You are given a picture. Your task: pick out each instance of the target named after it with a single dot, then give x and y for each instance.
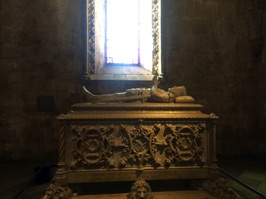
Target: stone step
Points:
(188, 194)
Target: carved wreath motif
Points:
(91, 146)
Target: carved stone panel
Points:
(91, 147)
(136, 146)
(178, 145)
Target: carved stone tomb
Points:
(108, 142)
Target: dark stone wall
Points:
(205, 47)
(40, 56)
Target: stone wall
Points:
(207, 49)
(205, 46)
(40, 56)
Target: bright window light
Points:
(128, 32)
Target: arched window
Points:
(123, 39)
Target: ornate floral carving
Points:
(177, 144)
(100, 147)
(139, 137)
(137, 145)
(121, 147)
(140, 190)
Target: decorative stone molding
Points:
(156, 36)
(91, 37)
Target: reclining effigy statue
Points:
(154, 94)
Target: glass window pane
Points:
(122, 31)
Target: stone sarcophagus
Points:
(104, 142)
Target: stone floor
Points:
(18, 181)
(251, 171)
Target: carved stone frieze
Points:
(120, 146)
